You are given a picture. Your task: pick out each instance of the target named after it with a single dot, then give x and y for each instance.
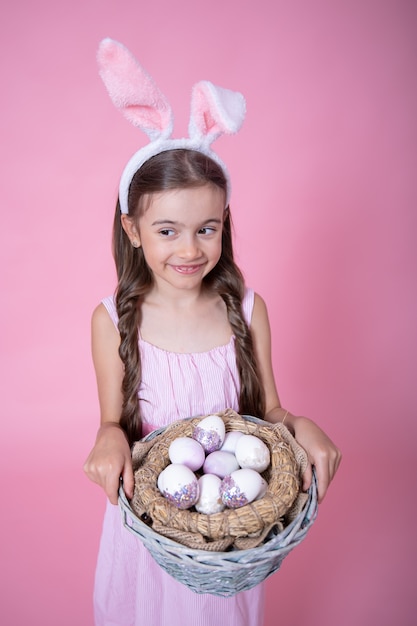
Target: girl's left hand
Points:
(321, 452)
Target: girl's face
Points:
(180, 233)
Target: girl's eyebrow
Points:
(159, 222)
(211, 220)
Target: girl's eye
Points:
(207, 230)
(166, 232)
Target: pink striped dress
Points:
(131, 589)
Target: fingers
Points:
(307, 477)
(323, 482)
(326, 467)
(128, 480)
(107, 475)
(112, 488)
(111, 481)
(110, 461)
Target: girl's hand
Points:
(321, 452)
(110, 460)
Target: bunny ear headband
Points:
(214, 111)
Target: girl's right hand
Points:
(110, 460)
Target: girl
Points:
(183, 336)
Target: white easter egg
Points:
(209, 501)
(263, 490)
(187, 451)
(210, 432)
(230, 441)
(179, 485)
(252, 453)
(220, 463)
(240, 487)
(161, 481)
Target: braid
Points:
(251, 400)
(134, 281)
(129, 319)
(227, 279)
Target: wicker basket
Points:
(223, 564)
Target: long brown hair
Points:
(175, 169)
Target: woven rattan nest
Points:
(242, 528)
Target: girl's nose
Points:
(188, 248)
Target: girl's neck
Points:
(189, 322)
(176, 299)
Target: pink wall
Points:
(325, 213)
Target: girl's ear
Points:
(130, 229)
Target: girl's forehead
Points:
(204, 201)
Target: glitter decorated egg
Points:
(210, 432)
(252, 453)
(240, 488)
(179, 485)
(209, 501)
(187, 451)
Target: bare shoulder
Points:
(261, 333)
(260, 320)
(262, 343)
(105, 342)
(100, 315)
(104, 334)
(101, 320)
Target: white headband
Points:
(214, 111)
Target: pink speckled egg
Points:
(187, 451)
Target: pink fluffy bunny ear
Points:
(133, 91)
(215, 111)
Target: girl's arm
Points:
(110, 458)
(321, 451)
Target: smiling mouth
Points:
(187, 269)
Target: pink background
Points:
(324, 203)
